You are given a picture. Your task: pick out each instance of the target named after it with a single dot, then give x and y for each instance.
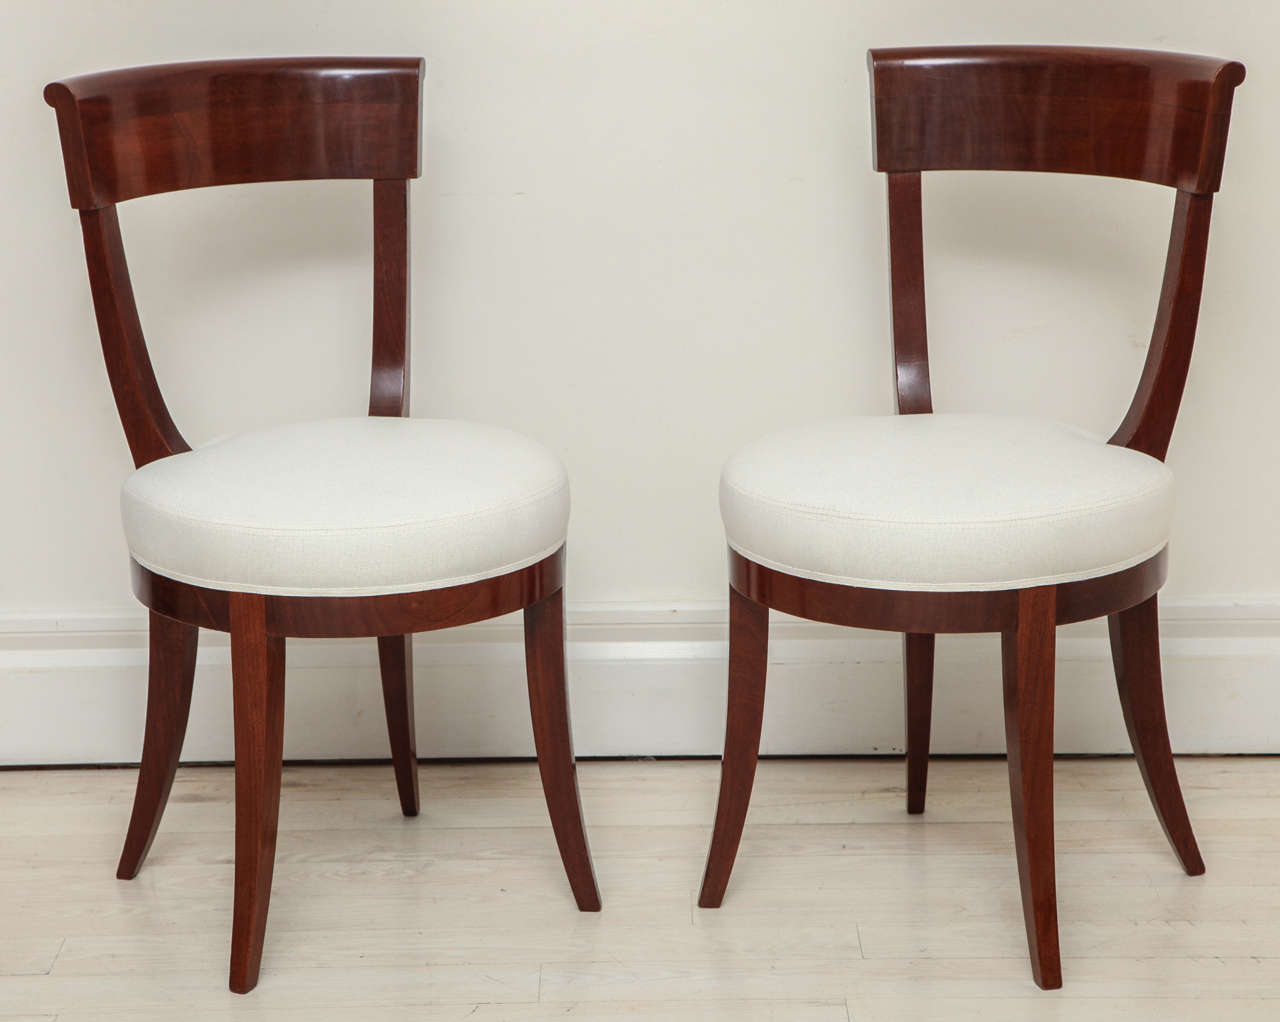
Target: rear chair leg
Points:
(1135, 651)
(917, 678)
(171, 673)
(553, 739)
(748, 660)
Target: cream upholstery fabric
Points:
(349, 507)
(944, 502)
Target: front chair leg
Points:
(395, 659)
(553, 740)
(257, 677)
(1135, 651)
(1028, 654)
(748, 661)
(917, 682)
(171, 671)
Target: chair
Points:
(381, 526)
(925, 523)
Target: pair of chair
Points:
(387, 526)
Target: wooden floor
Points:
(841, 908)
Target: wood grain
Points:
(917, 683)
(1028, 721)
(553, 739)
(1143, 115)
(748, 663)
(395, 664)
(171, 675)
(1140, 114)
(257, 668)
(1135, 650)
(142, 130)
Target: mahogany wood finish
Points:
(142, 131)
(906, 275)
(748, 662)
(1137, 114)
(171, 673)
(1135, 652)
(1028, 669)
(1147, 116)
(395, 663)
(257, 686)
(917, 683)
(553, 739)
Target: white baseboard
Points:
(644, 681)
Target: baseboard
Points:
(644, 681)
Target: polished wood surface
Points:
(896, 610)
(257, 685)
(1135, 652)
(142, 130)
(148, 427)
(389, 379)
(748, 663)
(544, 640)
(917, 687)
(315, 617)
(1148, 425)
(1147, 116)
(1140, 114)
(395, 664)
(1028, 669)
(906, 276)
(171, 674)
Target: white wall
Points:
(645, 233)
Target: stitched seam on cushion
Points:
(817, 512)
(270, 530)
(950, 587)
(369, 590)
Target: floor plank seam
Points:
(56, 955)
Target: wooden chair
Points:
(926, 523)
(377, 527)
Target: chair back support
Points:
(145, 130)
(1146, 116)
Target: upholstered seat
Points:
(944, 502)
(349, 507)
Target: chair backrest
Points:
(145, 130)
(1146, 116)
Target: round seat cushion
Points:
(349, 507)
(944, 502)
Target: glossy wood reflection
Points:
(141, 131)
(1147, 116)
(1140, 114)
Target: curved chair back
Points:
(1146, 116)
(145, 130)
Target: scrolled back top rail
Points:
(1138, 114)
(140, 131)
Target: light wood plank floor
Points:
(841, 907)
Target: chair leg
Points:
(1135, 651)
(553, 739)
(1028, 655)
(395, 658)
(917, 680)
(170, 674)
(257, 675)
(748, 660)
